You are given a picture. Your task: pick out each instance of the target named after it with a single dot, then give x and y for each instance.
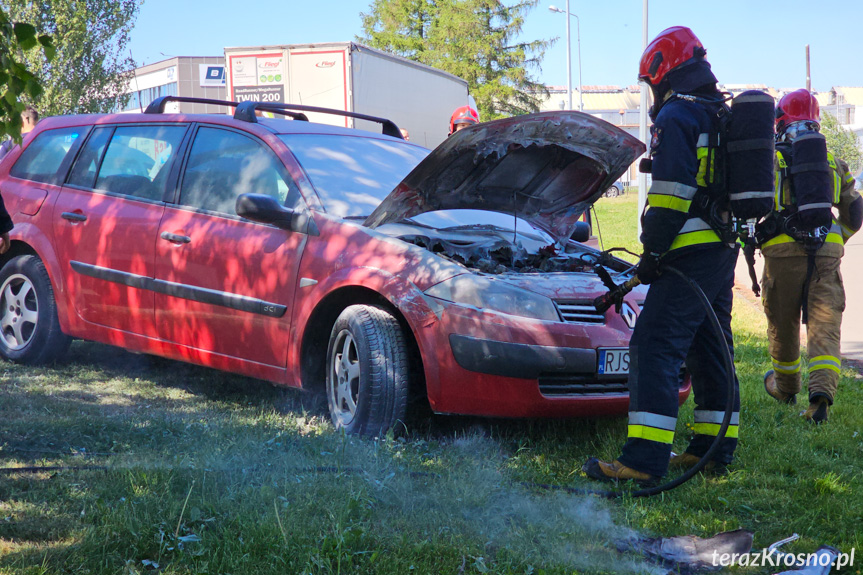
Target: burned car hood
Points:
(545, 168)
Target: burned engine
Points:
(493, 253)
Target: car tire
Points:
(29, 329)
(367, 371)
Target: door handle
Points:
(175, 238)
(73, 217)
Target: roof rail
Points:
(157, 106)
(246, 113)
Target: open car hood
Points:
(545, 168)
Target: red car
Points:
(327, 258)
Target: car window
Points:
(353, 174)
(84, 171)
(224, 164)
(138, 160)
(44, 156)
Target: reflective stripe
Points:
(713, 429)
(694, 225)
(832, 238)
(787, 366)
(750, 195)
(703, 140)
(668, 202)
(704, 416)
(846, 232)
(820, 206)
(825, 362)
(701, 176)
(672, 189)
(780, 239)
(652, 420)
(650, 434)
(694, 238)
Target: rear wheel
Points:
(29, 328)
(367, 371)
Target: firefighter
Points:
(463, 117)
(673, 324)
(786, 274)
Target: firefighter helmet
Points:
(797, 106)
(463, 115)
(674, 47)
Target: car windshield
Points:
(352, 174)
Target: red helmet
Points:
(797, 106)
(671, 49)
(463, 115)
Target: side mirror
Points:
(267, 210)
(581, 233)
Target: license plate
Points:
(613, 361)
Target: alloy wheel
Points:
(344, 384)
(19, 311)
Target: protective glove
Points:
(648, 268)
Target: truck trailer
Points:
(351, 77)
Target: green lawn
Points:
(212, 473)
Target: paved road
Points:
(852, 274)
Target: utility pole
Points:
(642, 124)
(808, 76)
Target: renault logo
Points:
(628, 315)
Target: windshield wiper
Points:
(489, 227)
(354, 217)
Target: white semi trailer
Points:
(351, 77)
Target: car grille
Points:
(579, 311)
(582, 384)
(570, 384)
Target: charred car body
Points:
(327, 258)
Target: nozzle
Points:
(614, 297)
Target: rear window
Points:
(42, 159)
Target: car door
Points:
(225, 284)
(106, 220)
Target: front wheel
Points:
(367, 371)
(29, 328)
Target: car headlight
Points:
(487, 293)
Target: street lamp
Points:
(568, 52)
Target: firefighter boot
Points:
(773, 390)
(616, 471)
(686, 461)
(819, 407)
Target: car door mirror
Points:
(267, 210)
(581, 233)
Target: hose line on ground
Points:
(728, 360)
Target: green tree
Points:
(473, 39)
(842, 143)
(90, 69)
(17, 38)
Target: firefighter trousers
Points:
(673, 326)
(783, 300)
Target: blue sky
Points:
(747, 41)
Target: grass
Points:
(207, 472)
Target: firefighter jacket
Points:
(679, 148)
(847, 203)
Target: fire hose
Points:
(614, 297)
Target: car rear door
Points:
(225, 284)
(106, 219)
